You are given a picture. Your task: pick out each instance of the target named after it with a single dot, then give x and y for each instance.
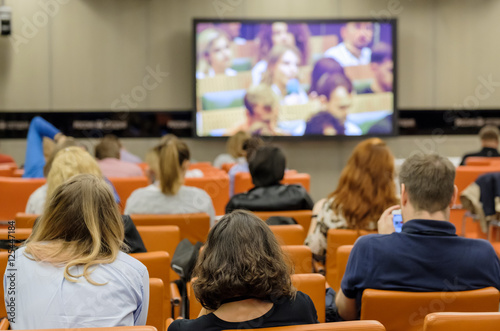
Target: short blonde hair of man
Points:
(489, 132)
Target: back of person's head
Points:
(267, 166)
(489, 133)
(114, 138)
(251, 145)
(69, 162)
(429, 181)
(174, 156)
(381, 52)
(81, 225)
(324, 66)
(68, 142)
(235, 143)
(107, 148)
(366, 185)
(263, 95)
(234, 263)
(330, 82)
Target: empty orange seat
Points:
(14, 193)
(300, 256)
(289, 234)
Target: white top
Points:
(44, 299)
(299, 98)
(257, 71)
(151, 200)
(36, 201)
(223, 158)
(341, 54)
(211, 73)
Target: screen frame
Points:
(392, 21)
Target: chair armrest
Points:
(318, 267)
(175, 296)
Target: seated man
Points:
(489, 142)
(107, 153)
(353, 50)
(382, 66)
(427, 256)
(267, 168)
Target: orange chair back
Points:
(24, 220)
(482, 161)
(334, 326)
(14, 193)
(466, 175)
(462, 322)
(161, 238)
(156, 312)
(314, 286)
(243, 181)
(126, 185)
(300, 256)
(18, 234)
(194, 304)
(4, 257)
(289, 234)
(216, 186)
(299, 179)
(343, 253)
(200, 165)
(6, 170)
(303, 217)
(227, 166)
(334, 239)
(158, 264)
(406, 311)
(194, 227)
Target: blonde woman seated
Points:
(71, 273)
(366, 188)
(169, 195)
(234, 148)
(243, 280)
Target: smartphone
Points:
(397, 220)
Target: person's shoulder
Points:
(333, 50)
(200, 323)
(193, 190)
(127, 263)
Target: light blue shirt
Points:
(237, 168)
(44, 299)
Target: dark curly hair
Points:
(242, 258)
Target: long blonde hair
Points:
(172, 156)
(67, 163)
(234, 145)
(81, 225)
(204, 43)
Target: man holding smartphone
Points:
(427, 256)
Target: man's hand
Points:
(385, 224)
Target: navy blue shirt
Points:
(427, 256)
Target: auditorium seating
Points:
(289, 234)
(334, 326)
(300, 257)
(462, 322)
(217, 187)
(314, 286)
(156, 310)
(343, 253)
(4, 257)
(243, 181)
(302, 217)
(482, 161)
(126, 185)
(14, 193)
(398, 310)
(24, 220)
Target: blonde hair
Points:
(172, 155)
(234, 144)
(204, 42)
(69, 162)
(81, 225)
(153, 156)
(274, 56)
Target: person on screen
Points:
(381, 65)
(262, 109)
(282, 75)
(335, 94)
(353, 50)
(214, 54)
(233, 29)
(324, 123)
(323, 66)
(280, 33)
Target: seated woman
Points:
(65, 164)
(267, 168)
(234, 148)
(366, 188)
(71, 273)
(214, 54)
(243, 280)
(169, 195)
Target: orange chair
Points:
(481, 161)
(303, 217)
(14, 193)
(194, 304)
(200, 165)
(217, 188)
(4, 257)
(158, 264)
(156, 311)
(300, 179)
(194, 227)
(335, 239)
(161, 238)
(407, 310)
(243, 181)
(227, 166)
(343, 253)
(314, 286)
(336, 326)
(18, 173)
(289, 234)
(6, 170)
(24, 220)
(17, 234)
(462, 321)
(126, 185)
(300, 256)
(4, 324)
(466, 175)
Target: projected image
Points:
(294, 79)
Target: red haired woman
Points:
(366, 188)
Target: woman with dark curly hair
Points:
(244, 281)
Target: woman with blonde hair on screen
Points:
(366, 188)
(71, 273)
(214, 54)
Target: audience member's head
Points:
(107, 148)
(357, 35)
(282, 66)
(382, 66)
(68, 142)
(324, 66)
(267, 166)
(234, 145)
(214, 51)
(427, 185)
(262, 106)
(235, 264)
(489, 135)
(251, 145)
(67, 163)
(335, 93)
(366, 185)
(81, 225)
(325, 124)
(284, 34)
(174, 162)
